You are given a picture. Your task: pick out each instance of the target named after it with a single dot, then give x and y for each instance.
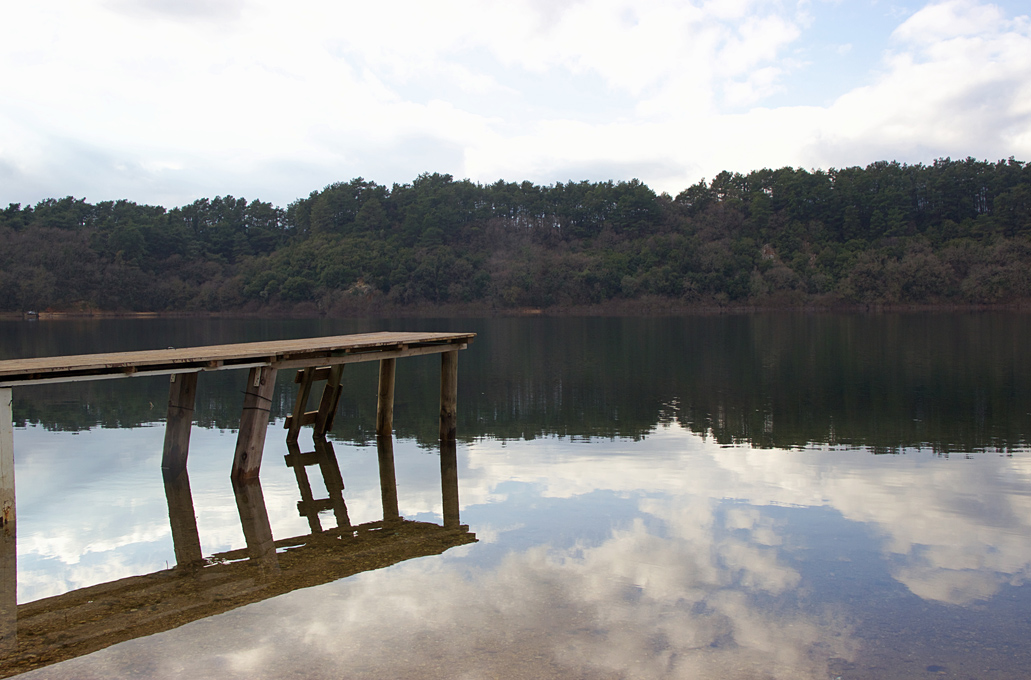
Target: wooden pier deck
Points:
(340, 349)
(314, 359)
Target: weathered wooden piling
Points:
(182, 518)
(182, 396)
(385, 398)
(257, 402)
(387, 477)
(448, 395)
(449, 482)
(257, 530)
(8, 534)
(7, 507)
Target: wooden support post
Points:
(300, 406)
(330, 399)
(183, 519)
(385, 398)
(387, 478)
(257, 402)
(8, 588)
(448, 395)
(8, 535)
(257, 531)
(182, 395)
(7, 515)
(449, 482)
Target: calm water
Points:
(782, 496)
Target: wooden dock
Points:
(314, 360)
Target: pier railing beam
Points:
(448, 395)
(182, 396)
(385, 398)
(257, 403)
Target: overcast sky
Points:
(167, 101)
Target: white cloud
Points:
(167, 102)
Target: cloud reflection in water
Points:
(701, 577)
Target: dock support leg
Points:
(8, 537)
(257, 530)
(182, 395)
(448, 395)
(6, 457)
(183, 519)
(387, 478)
(449, 482)
(385, 398)
(257, 403)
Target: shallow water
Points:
(709, 497)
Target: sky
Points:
(168, 101)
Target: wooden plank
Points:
(182, 395)
(307, 418)
(449, 482)
(385, 398)
(330, 399)
(320, 374)
(250, 443)
(295, 457)
(448, 395)
(387, 477)
(305, 350)
(330, 358)
(182, 519)
(8, 536)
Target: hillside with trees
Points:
(953, 232)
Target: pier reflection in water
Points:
(88, 619)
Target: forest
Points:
(955, 232)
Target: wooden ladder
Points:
(322, 418)
(309, 506)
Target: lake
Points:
(731, 496)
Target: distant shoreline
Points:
(655, 307)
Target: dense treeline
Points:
(950, 232)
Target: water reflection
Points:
(951, 382)
(82, 621)
(648, 500)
